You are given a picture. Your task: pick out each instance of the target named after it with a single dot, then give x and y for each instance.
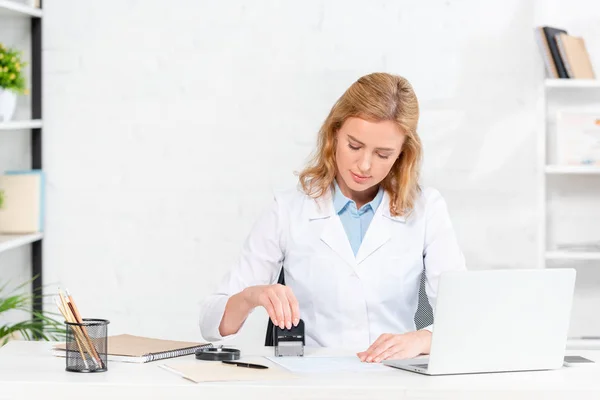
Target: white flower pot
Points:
(8, 103)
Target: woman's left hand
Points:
(390, 346)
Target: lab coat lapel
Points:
(333, 233)
(379, 231)
(336, 238)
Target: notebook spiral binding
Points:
(175, 353)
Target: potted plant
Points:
(41, 325)
(12, 81)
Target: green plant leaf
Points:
(41, 325)
(12, 72)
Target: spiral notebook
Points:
(575, 56)
(138, 349)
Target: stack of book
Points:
(565, 56)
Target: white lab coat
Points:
(345, 300)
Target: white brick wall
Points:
(168, 123)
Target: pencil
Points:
(79, 331)
(80, 320)
(84, 330)
(79, 335)
(62, 311)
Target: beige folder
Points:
(22, 208)
(575, 56)
(215, 371)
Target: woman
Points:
(353, 240)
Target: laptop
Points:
(498, 321)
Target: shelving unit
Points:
(13, 9)
(572, 83)
(573, 255)
(9, 7)
(547, 169)
(572, 170)
(17, 125)
(8, 242)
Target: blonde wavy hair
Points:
(375, 97)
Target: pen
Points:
(245, 364)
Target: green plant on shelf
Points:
(1, 198)
(41, 325)
(11, 70)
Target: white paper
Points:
(311, 365)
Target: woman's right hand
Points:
(278, 300)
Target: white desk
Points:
(28, 370)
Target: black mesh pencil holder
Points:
(87, 345)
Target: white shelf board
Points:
(572, 255)
(15, 125)
(12, 8)
(572, 83)
(583, 344)
(8, 242)
(573, 169)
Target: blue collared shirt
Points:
(356, 222)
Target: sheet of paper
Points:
(211, 371)
(311, 365)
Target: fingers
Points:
(281, 305)
(365, 354)
(278, 306)
(394, 351)
(406, 345)
(271, 312)
(383, 346)
(290, 306)
(294, 306)
(265, 301)
(386, 346)
(287, 310)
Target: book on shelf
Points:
(578, 138)
(22, 208)
(565, 56)
(547, 55)
(575, 57)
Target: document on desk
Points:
(212, 371)
(311, 365)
